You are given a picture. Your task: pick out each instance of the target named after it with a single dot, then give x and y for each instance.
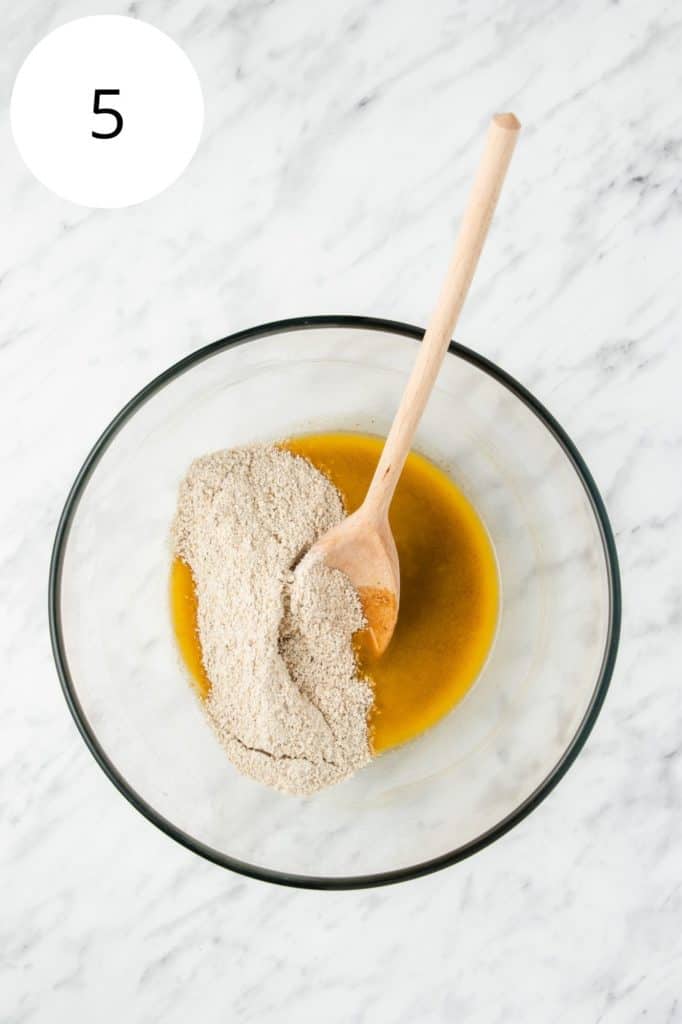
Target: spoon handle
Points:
(502, 135)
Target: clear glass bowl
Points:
(483, 767)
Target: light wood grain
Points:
(362, 546)
(500, 143)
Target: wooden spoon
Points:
(362, 546)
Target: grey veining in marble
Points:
(338, 145)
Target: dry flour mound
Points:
(286, 700)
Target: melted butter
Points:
(448, 587)
(448, 600)
(183, 600)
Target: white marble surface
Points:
(338, 143)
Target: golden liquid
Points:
(448, 587)
(448, 590)
(184, 617)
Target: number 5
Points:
(96, 109)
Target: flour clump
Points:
(286, 699)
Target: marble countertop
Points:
(338, 144)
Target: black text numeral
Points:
(116, 114)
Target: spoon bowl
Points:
(363, 548)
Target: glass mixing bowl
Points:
(482, 768)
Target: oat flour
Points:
(286, 700)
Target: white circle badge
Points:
(107, 111)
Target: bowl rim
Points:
(352, 881)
